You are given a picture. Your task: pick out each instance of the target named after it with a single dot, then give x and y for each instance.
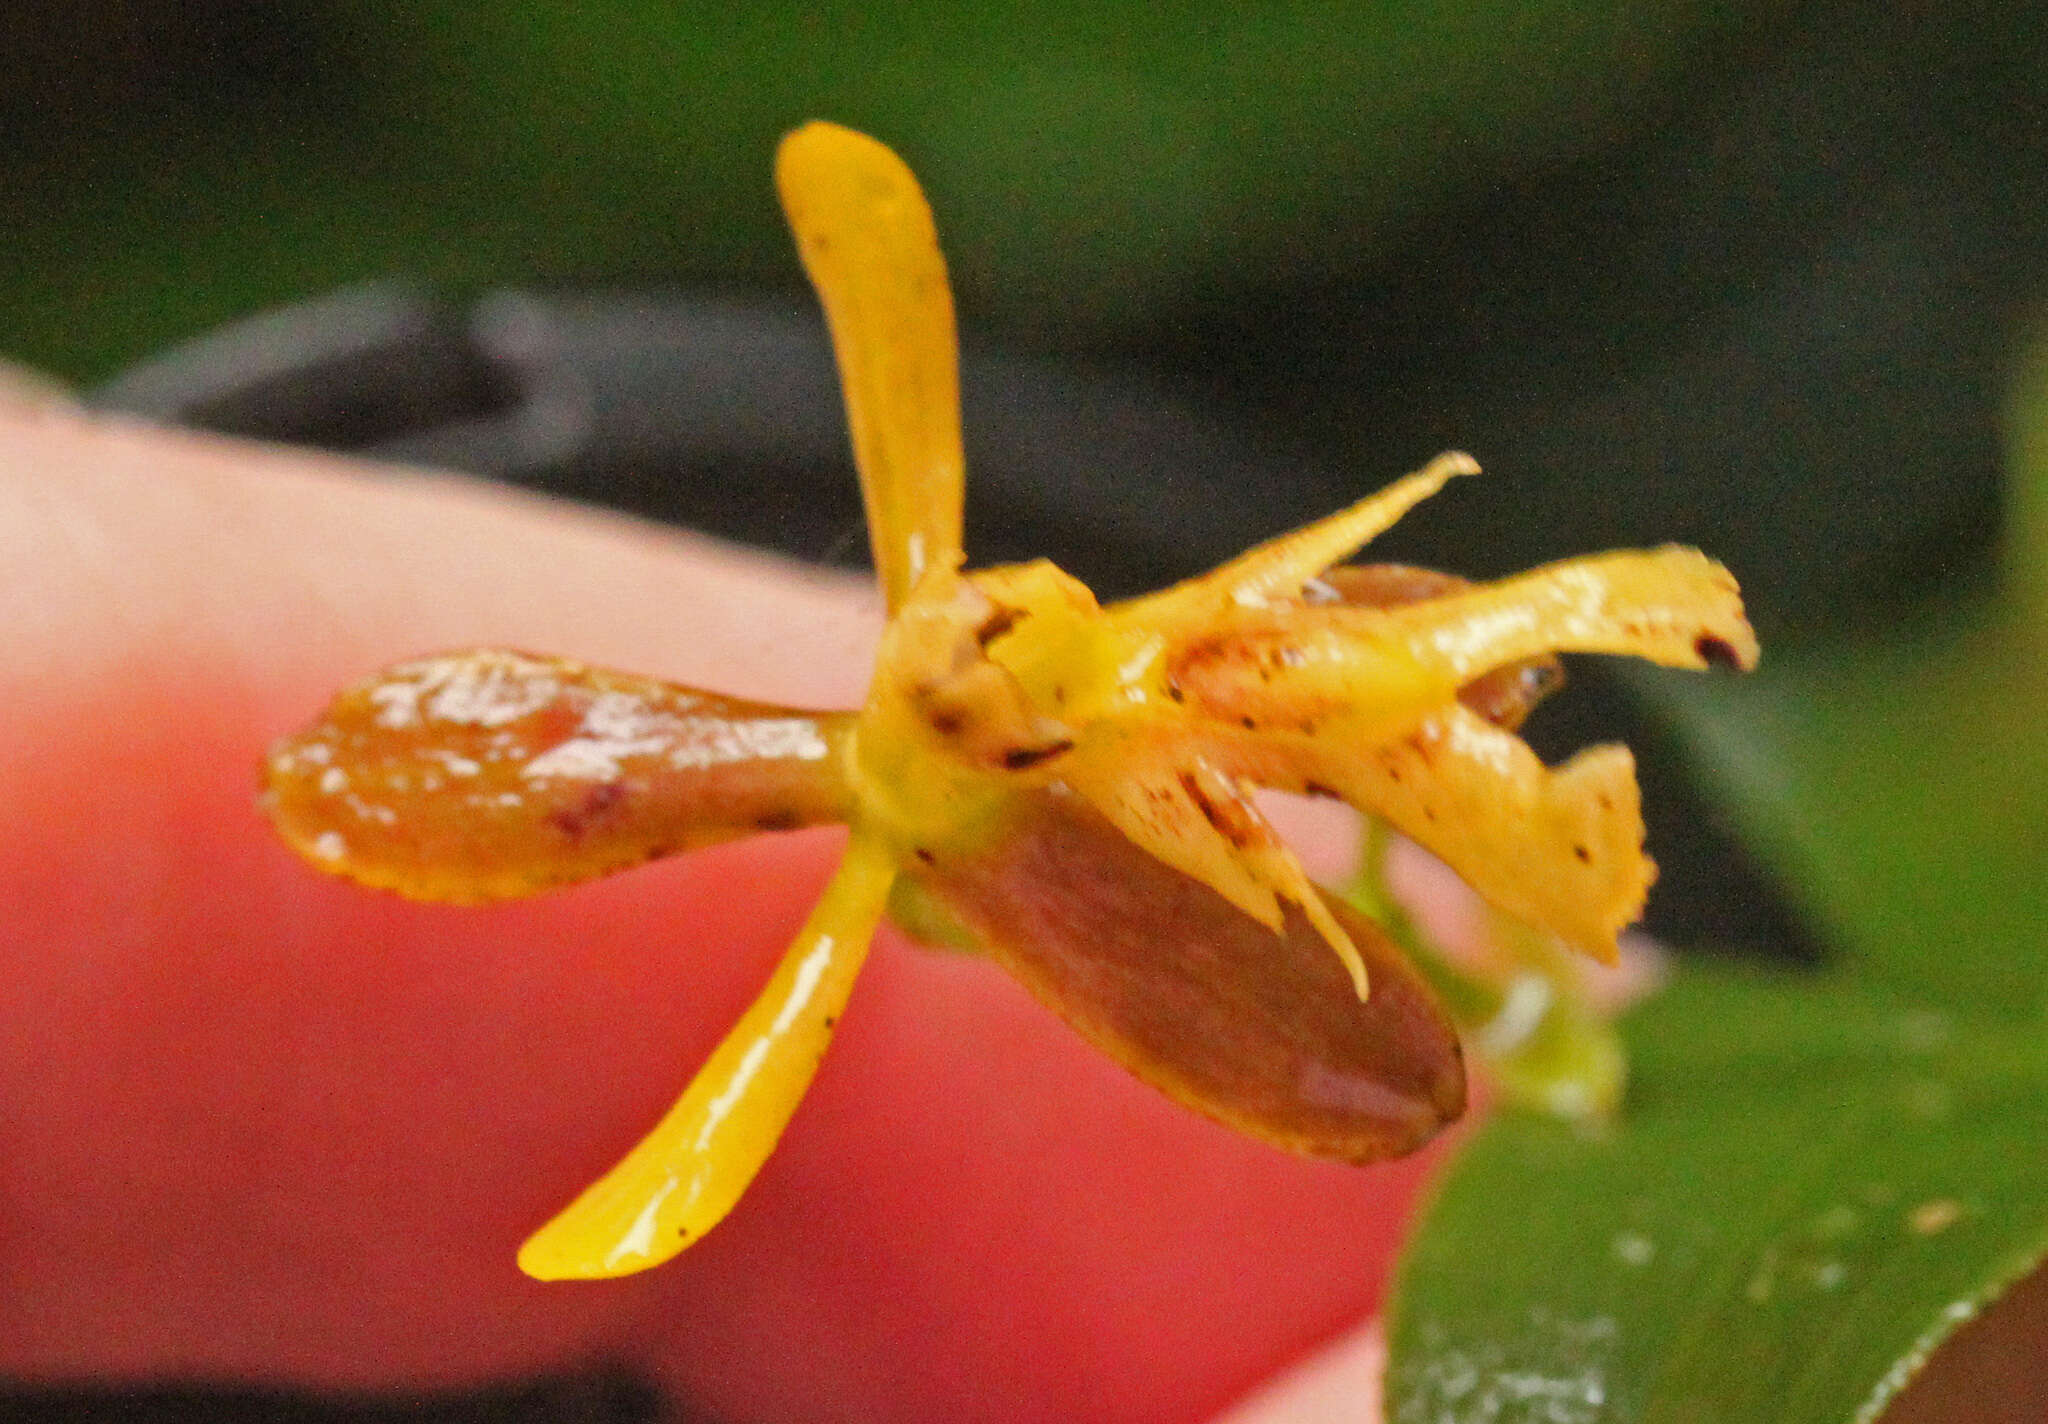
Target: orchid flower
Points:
(1061, 785)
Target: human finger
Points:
(263, 1125)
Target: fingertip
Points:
(339, 1113)
(287, 571)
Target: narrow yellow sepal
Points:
(1278, 569)
(867, 240)
(687, 1173)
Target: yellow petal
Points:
(1368, 673)
(1268, 859)
(867, 240)
(1560, 848)
(1504, 696)
(686, 1174)
(1177, 807)
(1672, 605)
(1142, 786)
(1277, 569)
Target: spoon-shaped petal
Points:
(482, 775)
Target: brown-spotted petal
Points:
(1373, 673)
(1169, 801)
(1260, 1030)
(867, 240)
(1673, 606)
(482, 775)
(1144, 781)
(1504, 696)
(1557, 847)
(1378, 670)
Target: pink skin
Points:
(261, 1125)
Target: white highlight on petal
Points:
(808, 973)
(618, 726)
(468, 690)
(639, 1240)
(1468, 644)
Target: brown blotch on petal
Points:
(1227, 820)
(1390, 585)
(1024, 758)
(1264, 1032)
(1717, 653)
(598, 803)
(1507, 695)
(999, 622)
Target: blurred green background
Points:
(1103, 173)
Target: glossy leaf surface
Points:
(1811, 1186)
(1260, 1031)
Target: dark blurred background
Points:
(1753, 276)
(1744, 275)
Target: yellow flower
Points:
(1063, 785)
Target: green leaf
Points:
(1814, 1183)
(1815, 1179)
(1899, 784)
